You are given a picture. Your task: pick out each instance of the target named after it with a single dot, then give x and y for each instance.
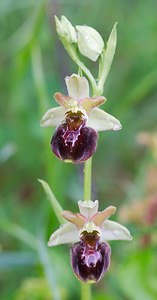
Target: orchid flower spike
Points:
(88, 231)
(78, 119)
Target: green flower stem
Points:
(86, 287)
(87, 72)
(73, 54)
(86, 291)
(87, 179)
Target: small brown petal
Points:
(100, 217)
(77, 219)
(89, 103)
(62, 99)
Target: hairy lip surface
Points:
(75, 145)
(90, 263)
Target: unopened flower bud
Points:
(66, 30)
(90, 42)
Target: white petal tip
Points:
(42, 123)
(45, 121)
(125, 235)
(130, 237)
(50, 244)
(117, 127)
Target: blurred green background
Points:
(33, 67)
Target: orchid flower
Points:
(88, 231)
(78, 119)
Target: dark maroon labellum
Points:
(90, 259)
(73, 140)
